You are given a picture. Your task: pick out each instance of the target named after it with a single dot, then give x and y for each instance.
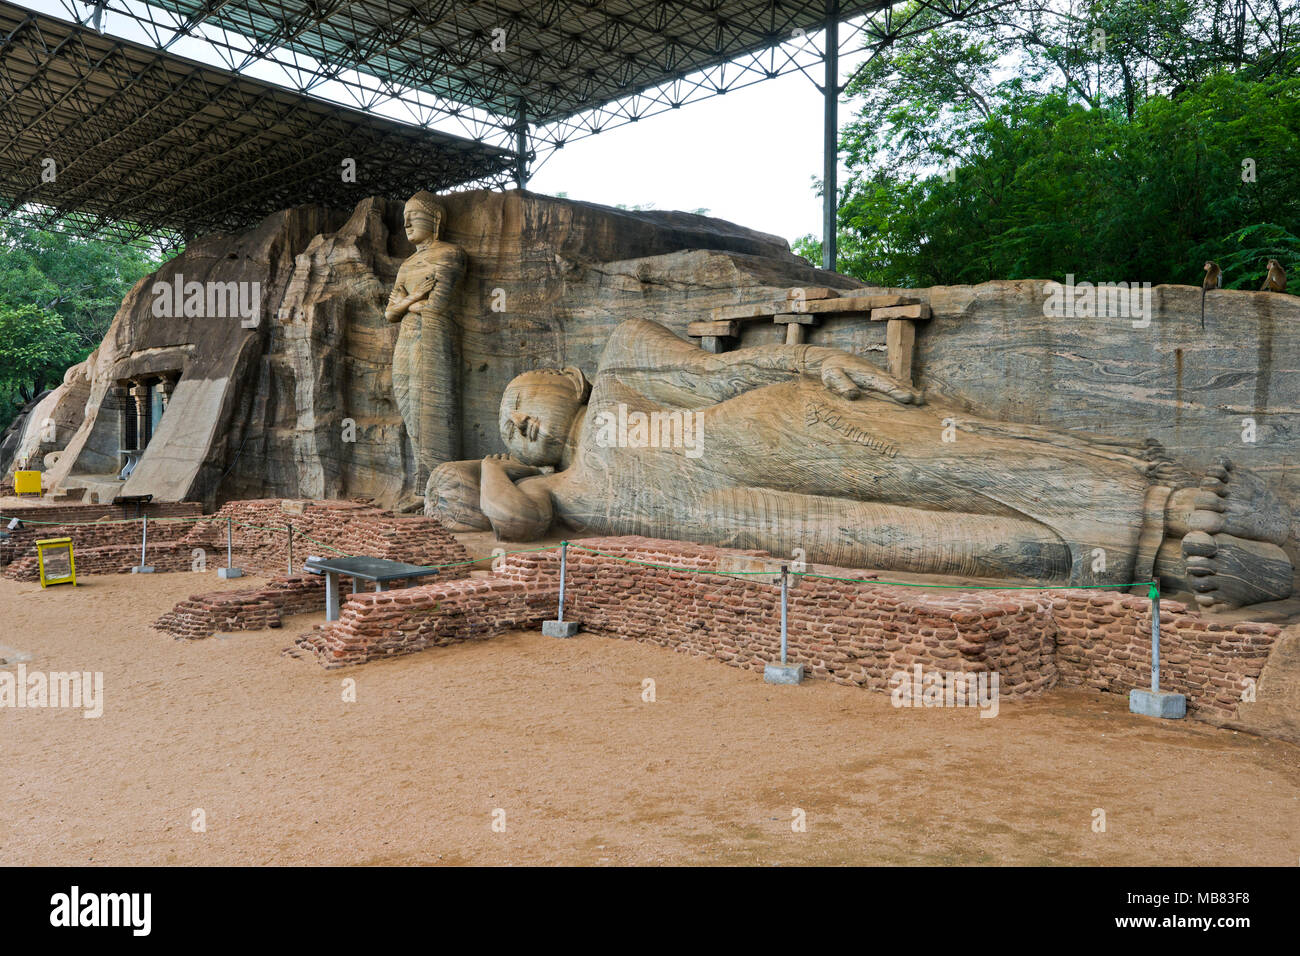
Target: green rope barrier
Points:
(322, 544)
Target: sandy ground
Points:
(555, 733)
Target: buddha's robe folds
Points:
(425, 358)
(774, 460)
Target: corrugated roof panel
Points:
(164, 143)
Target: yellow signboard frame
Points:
(27, 483)
(56, 544)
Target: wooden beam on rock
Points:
(900, 312)
(794, 323)
(728, 329)
(900, 346)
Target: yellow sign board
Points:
(27, 482)
(61, 568)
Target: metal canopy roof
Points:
(529, 75)
(552, 58)
(143, 141)
(164, 142)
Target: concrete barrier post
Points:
(560, 627)
(784, 672)
(785, 608)
(144, 547)
(1155, 641)
(564, 573)
(230, 571)
(1156, 702)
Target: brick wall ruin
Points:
(105, 539)
(388, 624)
(850, 633)
(247, 609)
(1103, 642)
(321, 528)
(104, 543)
(324, 529)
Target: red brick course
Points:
(322, 528)
(851, 633)
(102, 547)
(391, 623)
(77, 512)
(249, 609)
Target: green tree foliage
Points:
(1125, 140)
(58, 295)
(36, 348)
(1252, 246)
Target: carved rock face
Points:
(419, 227)
(537, 410)
(422, 217)
(305, 405)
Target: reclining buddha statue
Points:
(786, 447)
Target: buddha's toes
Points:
(1231, 545)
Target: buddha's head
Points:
(538, 410)
(423, 217)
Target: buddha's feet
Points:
(1230, 531)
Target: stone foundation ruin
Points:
(653, 591)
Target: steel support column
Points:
(830, 135)
(521, 147)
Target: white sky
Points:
(749, 156)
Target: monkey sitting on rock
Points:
(1213, 280)
(1275, 281)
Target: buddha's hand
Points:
(514, 469)
(419, 297)
(516, 514)
(424, 286)
(849, 376)
(414, 302)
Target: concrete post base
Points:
(783, 673)
(142, 569)
(560, 628)
(1158, 703)
(230, 572)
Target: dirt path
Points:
(555, 733)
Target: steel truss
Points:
(121, 140)
(561, 70)
(489, 88)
